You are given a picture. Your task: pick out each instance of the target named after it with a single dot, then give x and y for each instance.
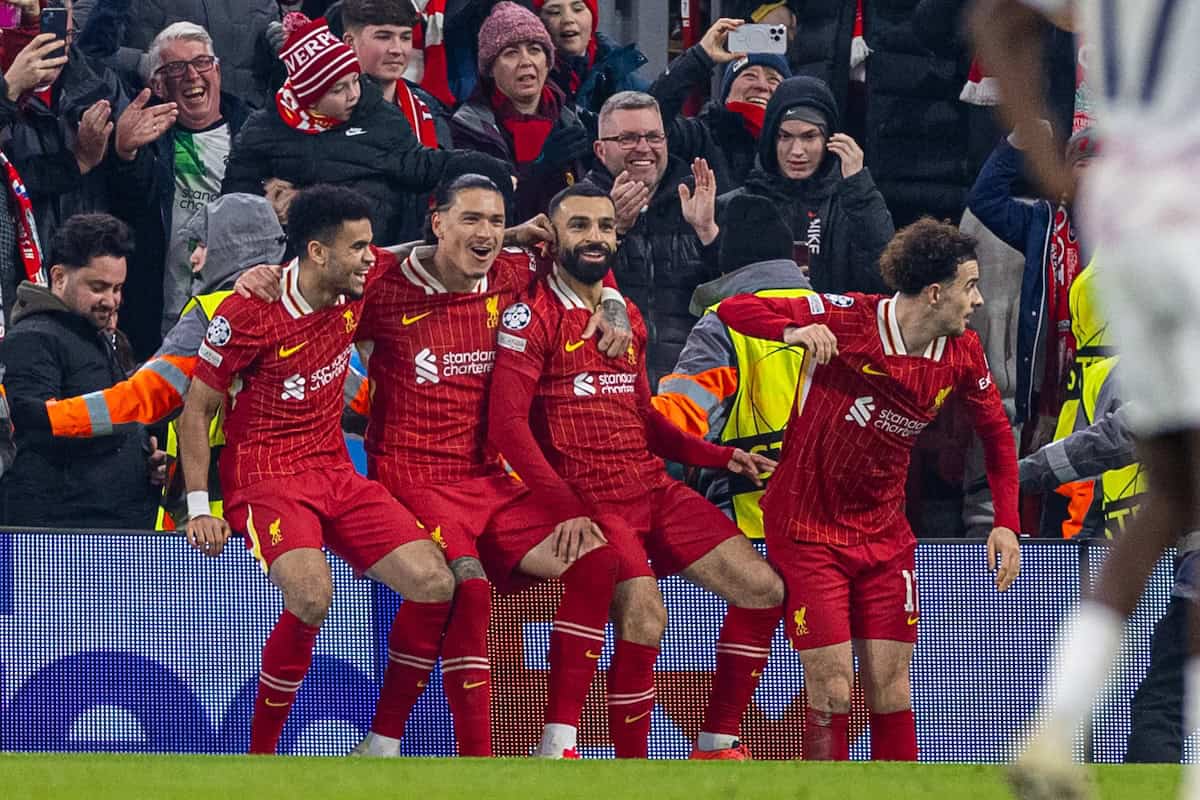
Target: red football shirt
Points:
(431, 361)
(283, 365)
(846, 451)
(590, 414)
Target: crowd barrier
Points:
(131, 641)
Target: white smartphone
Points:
(757, 38)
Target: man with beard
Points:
(432, 324)
(593, 448)
(840, 223)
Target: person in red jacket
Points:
(877, 371)
(593, 449)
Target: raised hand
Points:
(629, 197)
(34, 66)
(138, 126)
(848, 151)
(91, 143)
(700, 208)
(714, 41)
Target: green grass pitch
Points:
(165, 777)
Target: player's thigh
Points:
(638, 611)
(546, 558)
(885, 673)
(735, 571)
(417, 571)
(278, 516)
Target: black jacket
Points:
(844, 221)
(144, 196)
(374, 152)
(715, 134)
(660, 262)
(85, 483)
(42, 139)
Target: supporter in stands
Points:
(381, 33)
(61, 116)
(589, 67)
(727, 129)
(58, 348)
(732, 389)
(226, 237)
(328, 127)
(1054, 256)
(839, 221)
(515, 115)
(180, 172)
(122, 31)
(661, 259)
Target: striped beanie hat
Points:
(314, 57)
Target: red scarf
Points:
(304, 120)
(752, 115)
(27, 237)
(1063, 266)
(428, 38)
(418, 114)
(528, 131)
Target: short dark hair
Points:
(359, 13)
(581, 189)
(86, 236)
(924, 253)
(316, 213)
(447, 191)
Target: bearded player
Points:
(288, 480)
(432, 324)
(877, 370)
(1139, 210)
(593, 448)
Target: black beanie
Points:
(798, 91)
(752, 230)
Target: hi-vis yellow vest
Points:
(1091, 345)
(172, 509)
(769, 373)
(1123, 488)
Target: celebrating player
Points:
(598, 458)
(433, 324)
(834, 512)
(288, 480)
(1139, 211)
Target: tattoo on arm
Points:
(615, 314)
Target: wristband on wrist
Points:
(197, 505)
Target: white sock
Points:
(556, 737)
(1085, 655)
(715, 741)
(380, 745)
(1189, 787)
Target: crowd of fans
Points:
(153, 158)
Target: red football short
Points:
(337, 508)
(673, 527)
(457, 515)
(836, 593)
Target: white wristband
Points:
(609, 293)
(197, 505)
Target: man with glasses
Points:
(181, 172)
(662, 256)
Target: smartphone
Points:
(54, 20)
(758, 38)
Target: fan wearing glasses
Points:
(664, 215)
(186, 131)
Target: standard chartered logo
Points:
(588, 385)
(431, 367)
(861, 411)
(888, 421)
(293, 388)
(585, 385)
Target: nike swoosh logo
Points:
(756, 673)
(590, 654)
(913, 620)
(355, 132)
(273, 704)
(407, 320)
(571, 347)
(631, 720)
(869, 370)
(288, 352)
(473, 685)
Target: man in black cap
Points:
(838, 219)
(727, 387)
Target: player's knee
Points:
(643, 620)
(432, 583)
(892, 693)
(767, 589)
(830, 693)
(310, 603)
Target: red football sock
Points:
(413, 644)
(466, 673)
(286, 657)
(894, 736)
(631, 697)
(578, 635)
(826, 736)
(742, 651)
